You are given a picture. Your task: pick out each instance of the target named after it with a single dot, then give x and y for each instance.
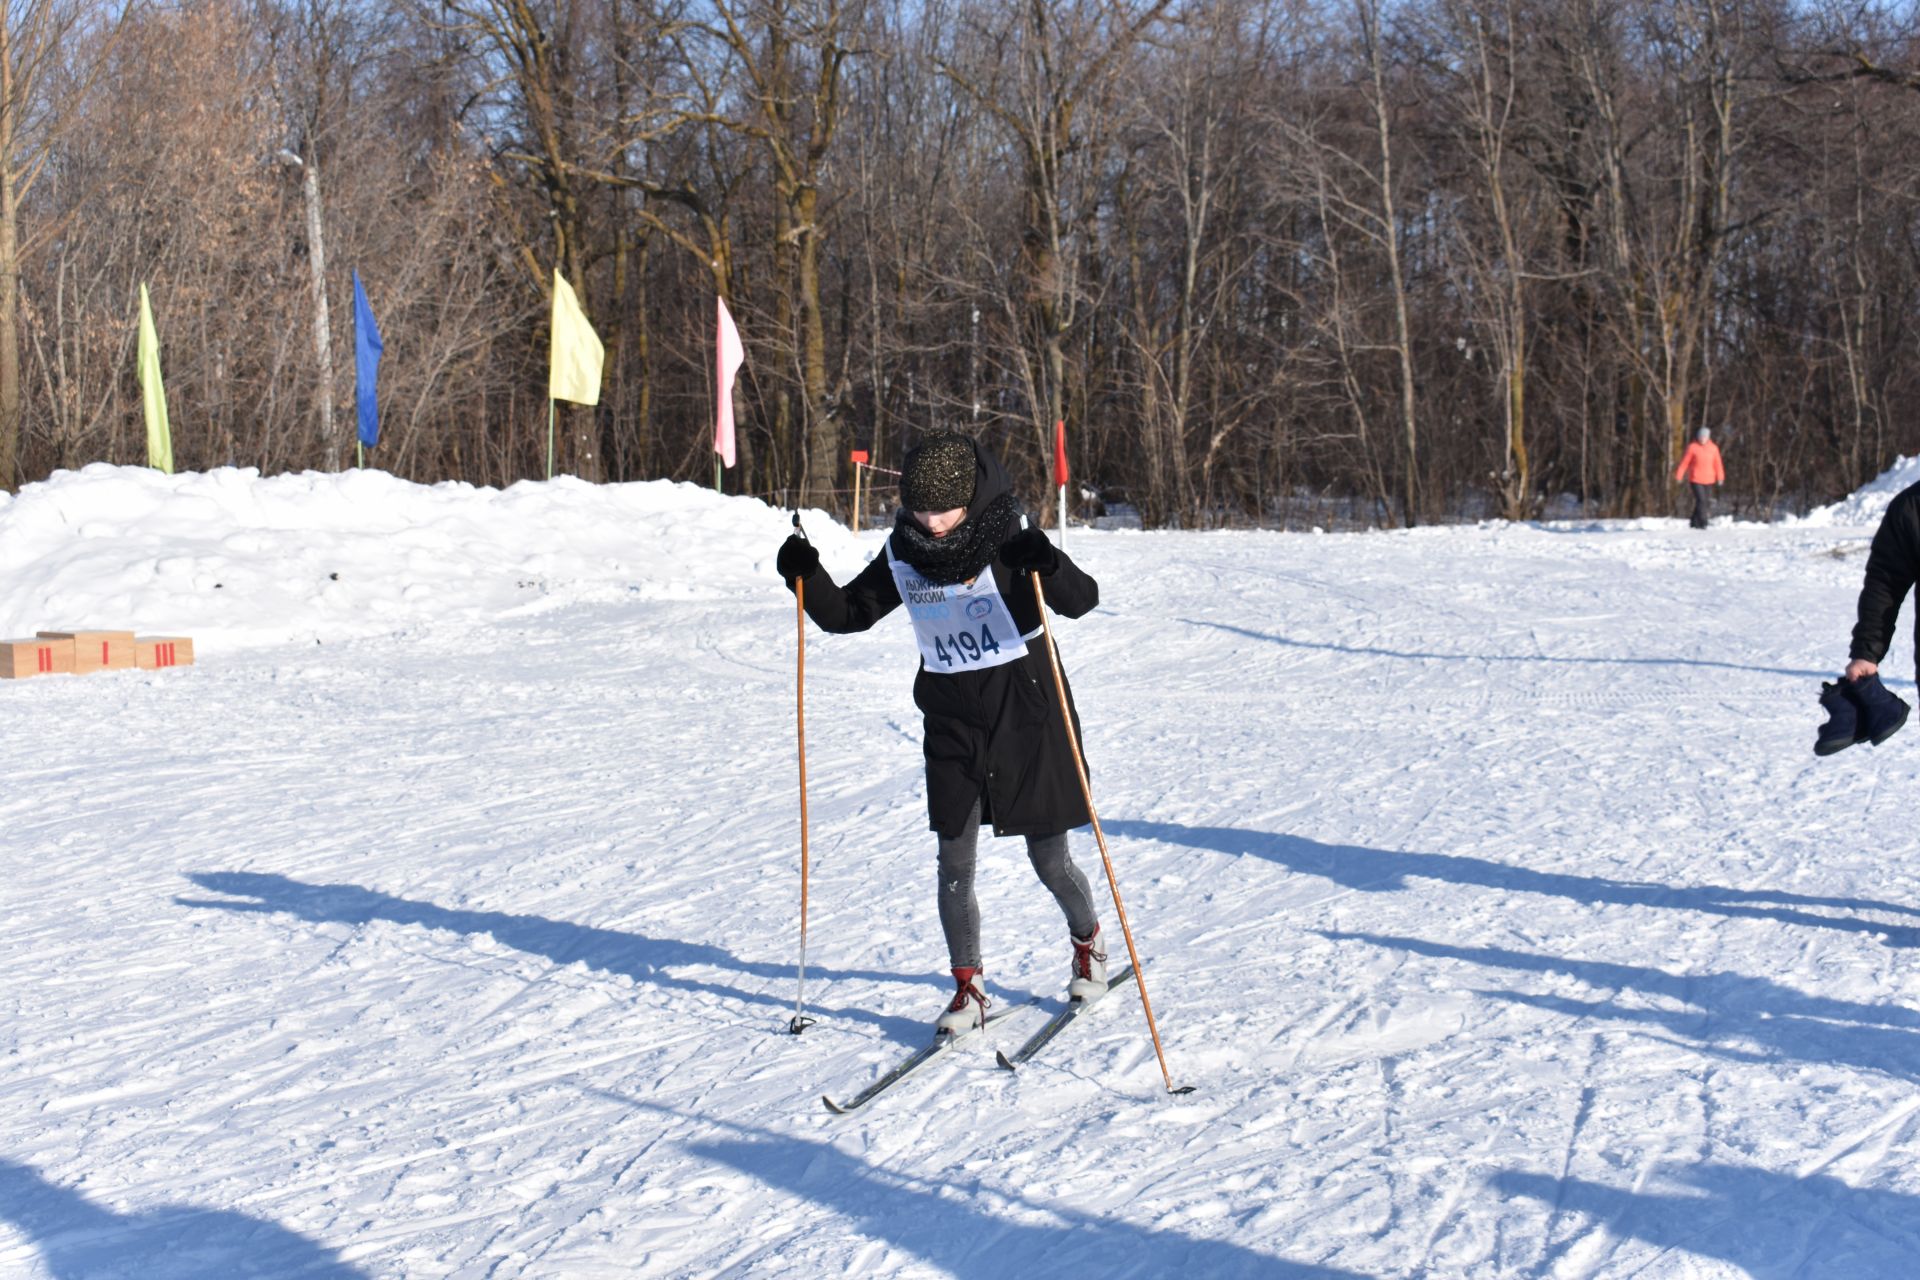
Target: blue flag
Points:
(366, 365)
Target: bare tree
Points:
(37, 39)
(1047, 73)
(1478, 45)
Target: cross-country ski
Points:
(1059, 1022)
(943, 1043)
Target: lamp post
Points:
(322, 325)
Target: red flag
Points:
(1060, 452)
(730, 353)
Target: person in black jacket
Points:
(997, 751)
(1859, 707)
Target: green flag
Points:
(153, 394)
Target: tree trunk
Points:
(822, 424)
(1390, 239)
(9, 270)
(322, 321)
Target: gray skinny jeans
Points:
(960, 912)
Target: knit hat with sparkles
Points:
(938, 475)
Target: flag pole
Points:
(1060, 471)
(550, 416)
(359, 455)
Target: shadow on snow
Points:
(630, 955)
(1421, 655)
(1387, 870)
(968, 1241)
(1763, 1222)
(945, 1224)
(1720, 1011)
(78, 1239)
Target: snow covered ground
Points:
(442, 920)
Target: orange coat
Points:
(1700, 464)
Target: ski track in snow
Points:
(1487, 888)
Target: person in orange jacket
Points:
(1700, 467)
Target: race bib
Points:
(962, 626)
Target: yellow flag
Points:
(153, 394)
(577, 353)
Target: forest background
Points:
(1421, 260)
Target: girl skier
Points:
(996, 750)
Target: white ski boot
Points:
(968, 1009)
(1089, 981)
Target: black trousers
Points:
(1702, 505)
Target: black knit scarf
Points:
(966, 549)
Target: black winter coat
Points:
(1892, 565)
(994, 735)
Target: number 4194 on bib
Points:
(964, 646)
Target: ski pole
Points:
(1086, 791)
(800, 1022)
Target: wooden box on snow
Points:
(97, 650)
(155, 652)
(35, 658)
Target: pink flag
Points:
(731, 355)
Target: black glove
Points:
(797, 558)
(1030, 551)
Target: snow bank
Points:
(234, 558)
(1868, 503)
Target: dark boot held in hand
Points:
(1882, 711)
(1842, 729)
